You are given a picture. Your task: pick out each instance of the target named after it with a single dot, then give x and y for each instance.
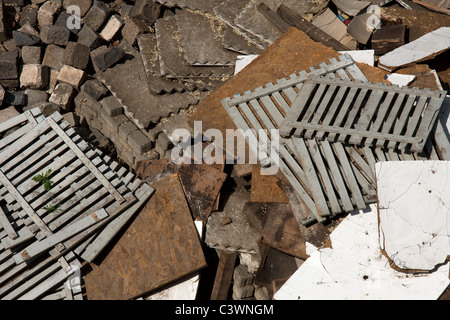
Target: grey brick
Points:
(113, 122)
(111, 106)
(140, 142)
(126, 129)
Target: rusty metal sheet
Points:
(281, 230)
(266, 188)
(160, 246)
(201, 182)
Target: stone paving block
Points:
(34, 76)
(3, 32)
(32, 54)
(64, 20)
(76, 55)
(243, 292)
(2, 94)
(147, 10)
(54, 34)
(111, 28)
(9, 65)
(140, 142)
(104, 57)
(113, 122)
(111, 106)
(25, 39)
(8, 113)
(72, 76)
(95, 89)
(242, 277)
(132, 29)
(62, 95)
(53, 57)
(97, 15)
(127, 128)
(89, 38)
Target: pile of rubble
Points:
(356, 90)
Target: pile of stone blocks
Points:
(50, 57)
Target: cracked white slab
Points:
(426, 47)
(401, 80)
(414, 212)
(355, 269)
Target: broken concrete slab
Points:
(164, 229)
(355, 268)
(171, 56)
(204, 6)
(201, 36)
(140, 104)
(414, 213)
(239, 235)
(148, 49)
(235, 40)
(361, 27)
(422, 49)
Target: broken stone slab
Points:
(22, 38)
(424, 48)
(354, 268)
(171, 57)
(148, 49)
(201, 39)
(253, 21)
(204, 6)
(235, 40)
(413, 206)
(8, 113)
(140, 104)
(47, 12)
(239, 235)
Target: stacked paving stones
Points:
(50, 58)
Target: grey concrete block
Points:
(243, 292)
(15, 98)
(87, 106)
(34, 76)
(242, 277)
(104, 57)
(111, 106)
(35, 96)
(126, 129)
(113, 122)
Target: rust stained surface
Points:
(159, 247)
(281, 230)
(293, 52)
(266, 188)
(201, 182)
